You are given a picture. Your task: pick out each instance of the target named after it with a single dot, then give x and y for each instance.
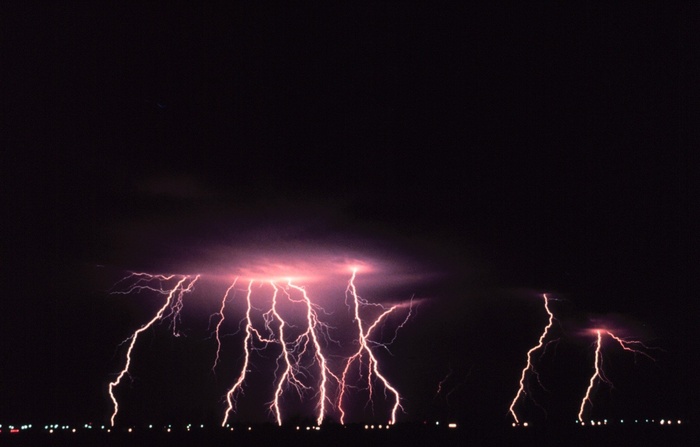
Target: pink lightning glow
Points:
(144, 281)
(219, 323)
(364, 347)
(247, 342)
(528, 366)
(291, 352)
(442, 383)
(311, 335)
(302, 363)
(290, 363)
(598, 372)
(289, 373)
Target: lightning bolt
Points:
(220, 322)
(291, 355)
(364, 346)
(302, 364)
(311, 335)
(442, 383)
(286, 357)
(598, 372)
(247, 346)
(625, 344)
(448, 392)
(528, 365)
(173, 303)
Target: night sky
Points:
(489, 154)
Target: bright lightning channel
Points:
(220, 322)
(298, 356)
(314, 325)
(598, 372)
(364, 347)
(247, 347)
(528, 365)
(289, 373)
(173, 302)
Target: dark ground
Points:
(397, 436)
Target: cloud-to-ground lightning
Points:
(301, 344)
(290, 368)
(598, 372)
(247, 341)
(529, 366)
(364, 347)
(292, 352)
(311, 335)
(173, 302)
(217, 330)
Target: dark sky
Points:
(505, 150)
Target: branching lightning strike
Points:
(529, 367)
(364, 347)
(173, 302)
(302, 364)
(598, 372)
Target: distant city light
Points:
(51, 428)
